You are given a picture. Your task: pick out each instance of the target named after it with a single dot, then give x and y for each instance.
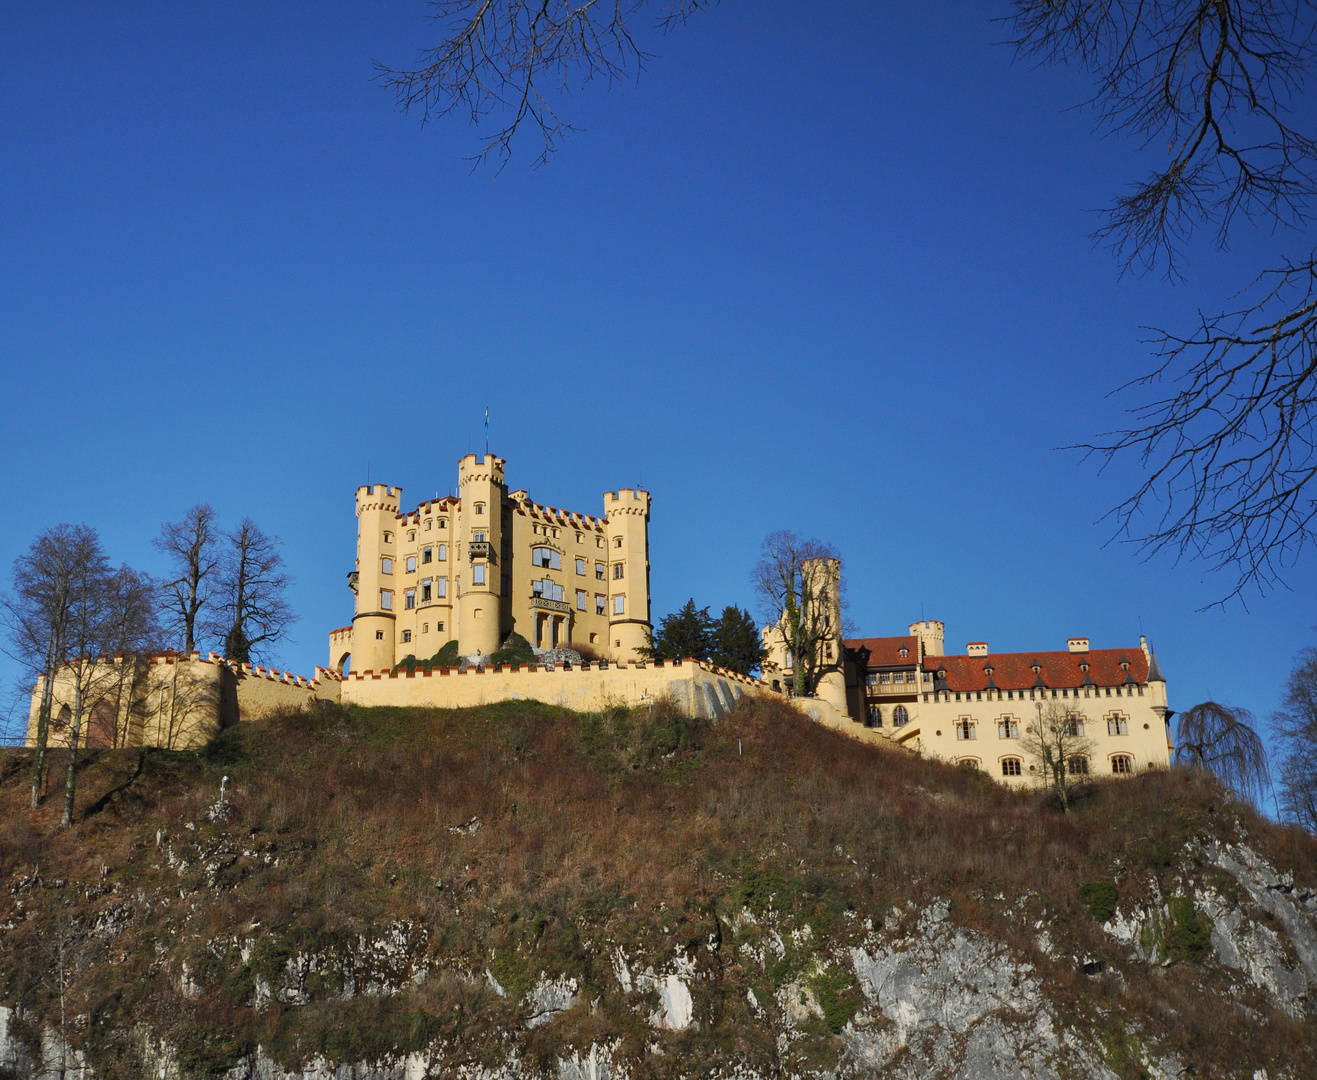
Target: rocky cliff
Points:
(519, 891)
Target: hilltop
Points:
(518, 890)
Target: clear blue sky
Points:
(826, 267)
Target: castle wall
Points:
(700, 689)
(173, 701)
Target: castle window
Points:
(441, 587)
(388, 537)
(439, 627)
(443, 552)
(386, 599)
(875, 716)
(1008, 728)
(429, 524)
(1077, 765)
(411, 535)
(386, 566)
(379, 635)
(928, 676)
(478, 574)
(480, 508)
(617, 541)
(900, 717)
(545, 558)
(580, 599)
(425, 590)
(580, 567)
(1122, 763)
(598, 541)
(425, 628)
(884, 678)
(871, 679)
(411, 564)
(966, 730)
(899, 677)
(406, 636)
(548, 589)
(578, 538)
(1118, 725)
(599, 571)
(409, 599)
(619, 604)
(443, 523)
(427, 554)
(478, 536)
(618, 571)
(600, 603)
(1074, 726)
(1011, 767)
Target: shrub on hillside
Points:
(1099, 899)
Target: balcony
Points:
(480, 549)
(883, 689)
(546, 604)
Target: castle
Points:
(976, 709)
(477, 567)
(486, 563)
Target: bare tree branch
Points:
(505, 56)
(1223, 741)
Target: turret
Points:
(931, 635)
(377, 594)
(476, 552)
(627, 510)
(823, 580)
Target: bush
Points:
(447, 656)
(1189, 933)
(1099, 899)
(516, 650)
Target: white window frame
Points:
(477, 573)
(619, 604)
(386, 599)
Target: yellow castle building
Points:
(476, 567)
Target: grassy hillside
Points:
(385, 873)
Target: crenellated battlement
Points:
(488, 469)
(378, 497)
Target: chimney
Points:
(1078, 644)
(976, 648)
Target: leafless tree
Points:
(1224, 430)
(798, 582)
(192, 548)
(1057, 745)
(132, 632)
(1223, 741)
(252, 612)
(39, 613)
(506, 56)
(1295, 726)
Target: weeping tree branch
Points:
(509, 56)
(1227, 447)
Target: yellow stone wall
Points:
(172, 700)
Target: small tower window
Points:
(478, 574)
(480, 508)
(619, 571)
(617, 541)
(427, 554)
(388, 537)
(619, 604)
(411, 535)
(386, 599)
(406, 636)
(580, 567)
(411, 564)
(386, 565)
(409, 599)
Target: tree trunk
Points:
(70, 780)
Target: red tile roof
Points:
(886, 651)
(1014, 671)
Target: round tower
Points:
(822, 578)
(627, 511)
(477, 547)
(377, 595)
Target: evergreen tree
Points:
(736, 643)
(685, 634)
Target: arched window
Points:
(1077, 765)
(900, 717)
(546, 558)
(1011, 766)
(875, 716)
(1122, 764)
(65, 715)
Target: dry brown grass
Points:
(644, 830)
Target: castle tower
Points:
(377, 571)
(476, 552)
(931, 635)
(627, 510)
(823, 577)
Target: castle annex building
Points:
(476, 567)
